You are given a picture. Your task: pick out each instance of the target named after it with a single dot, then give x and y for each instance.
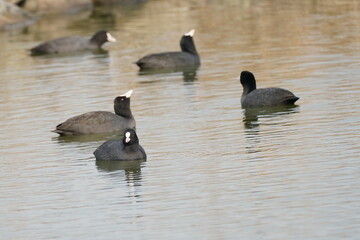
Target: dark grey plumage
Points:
(73, 43)
(127, 148)
(188, 57)
(264, 97)
(101, 121)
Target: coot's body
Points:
(187, 57)
(263, 97)
(73, 43)
(101, 121)
(119, 150)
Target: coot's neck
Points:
(187, 45)
(131, 148)
(248, 82)
(123, 110)
(98, 39)
(248, 89)
(126, 113)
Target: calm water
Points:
(214, 171)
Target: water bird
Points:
(188, 57)
(263, 97)
(73, 43)
(98, 122)
(128, 148)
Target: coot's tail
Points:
(140, 64)
(63, 132)
(291, 101)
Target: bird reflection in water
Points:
(127, 166)
(255, 117)
(131, 168)
(252, 115)
(87, 138)
(189, 73)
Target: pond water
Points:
(214, 170)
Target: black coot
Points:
(188, 57)
(73, 43)
(263, 97)
(126, 149)
(101, 121)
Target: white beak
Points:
(127, 94)
(127, 137)
(110, 38)
(191, 33)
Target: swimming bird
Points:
(128, 148)
(101, 121)
(73, 43)
(263, 97)
(188, 57)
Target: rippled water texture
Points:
(214, 171)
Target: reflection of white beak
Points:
(127, 94)
(191, 33)
(110, 38)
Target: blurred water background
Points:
(214, 170)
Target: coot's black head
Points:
(122, 105)
(102, 37)
(130, 138)
(247, 80)
(187, 43)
